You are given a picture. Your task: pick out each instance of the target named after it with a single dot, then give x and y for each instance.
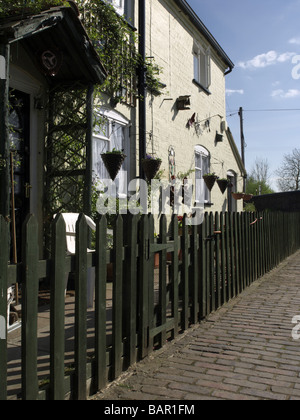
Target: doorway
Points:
(19, 123)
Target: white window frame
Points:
(119, 6)
(112, 118)
(201, 170)
(202, 65)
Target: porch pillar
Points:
(4, 130)
(88, 193)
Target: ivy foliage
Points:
(113, 38)
(21, 7)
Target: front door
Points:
(19, 120)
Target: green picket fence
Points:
(200, 268)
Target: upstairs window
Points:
(202, 66)
(119, 6)
(124, 8)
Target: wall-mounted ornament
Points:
(51, 61)
(207, 125)
(219, 138)
(184, 103)
(192, 120)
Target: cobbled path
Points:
(243, 351)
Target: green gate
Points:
(169, 291)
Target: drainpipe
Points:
(4, 130)
(142, 86)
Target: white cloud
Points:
(265, 60)
(289, 94)
(230, 92)
(295, 41)
(277, 83)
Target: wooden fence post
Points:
(81, 308)
(100, 303)
(117, 332)
(4, 257)
(57, 312)
(150, 279)
(30, 290)
(228, 256)
(143, 286)
(217, 260)
(211, 263)
(175, 274)
(223, 259)
(185, 273)
(130, 287)
(162, 312)
(195, 274)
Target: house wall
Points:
(170, 40)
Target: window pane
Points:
(102, 130)
(196, 68)
(99, 170)
(203, 69)
(118, 5)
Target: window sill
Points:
(201, 87)
(197, 205)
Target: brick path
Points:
(243, 351)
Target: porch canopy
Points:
(59, 47)
(58, 31)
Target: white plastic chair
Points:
(70, 221)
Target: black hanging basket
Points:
(210, 181)
(113, 163)
(223, 184)
(151, 167)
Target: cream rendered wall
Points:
(170, 39)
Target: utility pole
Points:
(241, 114)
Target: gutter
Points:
(197, 22)
(228, 71)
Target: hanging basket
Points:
(223, 184)
(151, 167)
(248, 197)
(238, 196)
(210, 181)
(113, 163)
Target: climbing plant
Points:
(114, 39)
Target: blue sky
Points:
(262, 38)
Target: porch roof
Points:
(58, 44)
